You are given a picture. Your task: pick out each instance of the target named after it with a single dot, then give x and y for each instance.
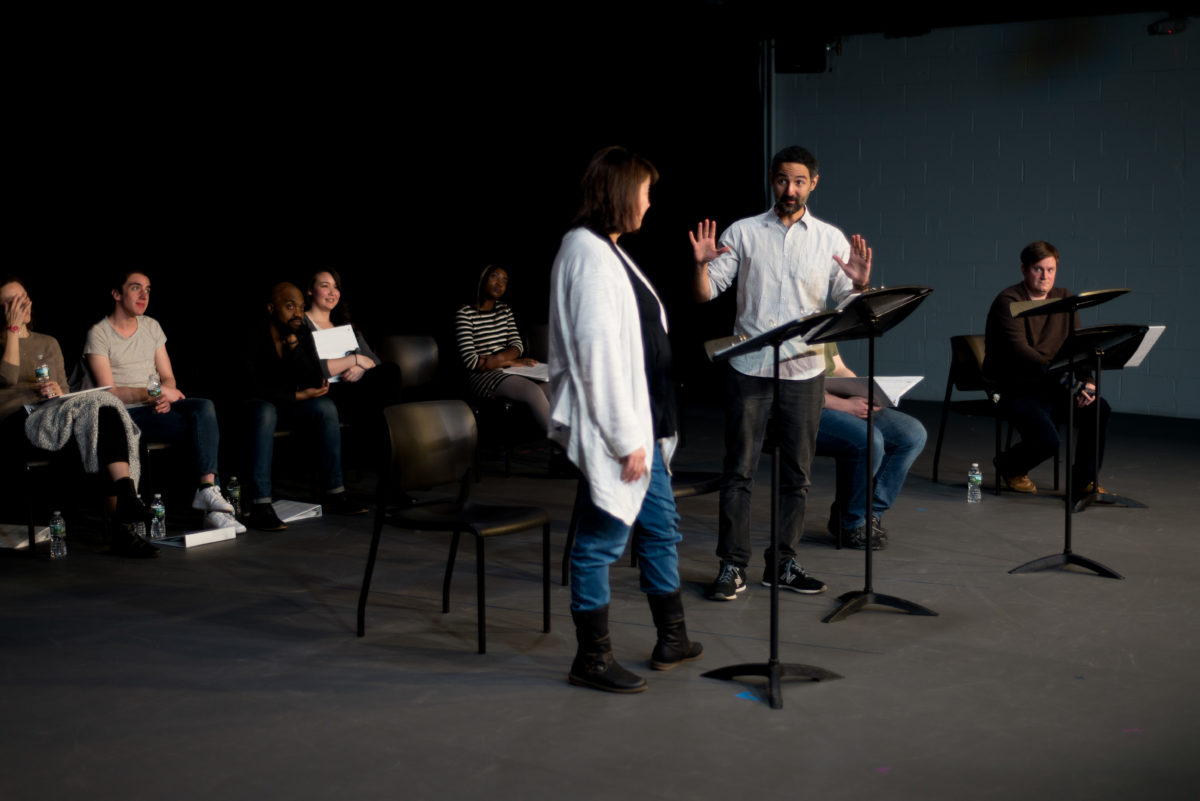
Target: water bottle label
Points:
(56, 530)
(42, 371)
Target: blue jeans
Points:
(1035, 412)
(897, 442)
(601, 539)
(316, 417)
(191, 416)
(746, 417)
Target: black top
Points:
(656, 350)
(276, 378)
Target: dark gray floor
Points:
(233, 671)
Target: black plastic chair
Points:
(433, 443)
(966, 375)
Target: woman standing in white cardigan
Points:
(612, 409)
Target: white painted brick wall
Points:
(953, 150)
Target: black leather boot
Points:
(123, 538)
(673, 646)
(594, 665)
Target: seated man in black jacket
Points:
(284, 384)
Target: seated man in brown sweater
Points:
(1019, 351)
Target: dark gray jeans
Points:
(747, 411)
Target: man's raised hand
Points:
(858, 267)
(704, 242)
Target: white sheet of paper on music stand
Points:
(1148, 341)
(888, 388)
(334, 343)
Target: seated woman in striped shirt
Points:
(488, 342)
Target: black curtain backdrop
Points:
(221, 156)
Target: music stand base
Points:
(1107, 499)
(1062, 560)
(852, 602)
(774, 672)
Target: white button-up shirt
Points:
(783, 274)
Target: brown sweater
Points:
(18, 384)
(1018, 350)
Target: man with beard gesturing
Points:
(787, 265)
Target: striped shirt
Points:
(482, 333)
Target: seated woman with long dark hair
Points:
(327, 309)
(31, 372)
(359, 383)
(488, 341)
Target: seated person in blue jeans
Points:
(123, 350)
(285, 386)
(898, 441)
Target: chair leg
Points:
(30, 533)
(1057, 461)
(994, 468)
(481, 614)
(449, 572)
(572, 529)
(546, 578)
(507, 418)
(937, 451)
(366, 585)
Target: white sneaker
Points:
(209, 499)
(223, 520)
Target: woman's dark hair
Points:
(12, 279)
(477, 301)
(610, 190)
(341, 313)
(1034, 252)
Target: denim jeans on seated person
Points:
(314, 420)
(601, 539)
(193, 419)
(897, 442)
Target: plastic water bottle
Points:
(974, 484)
(42, 371)
(58, 536)
(234, 492)
(153, 386)
(158, 525)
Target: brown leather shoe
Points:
(1020, 484)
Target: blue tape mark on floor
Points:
(922, 509)
(749, 696)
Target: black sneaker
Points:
(730, 581)
(340, 503)
(263, 518)
(858, 539)
(792, 577)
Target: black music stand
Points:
(1112, 347)
(1068, 356)
(773, 670)
(869, 316)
